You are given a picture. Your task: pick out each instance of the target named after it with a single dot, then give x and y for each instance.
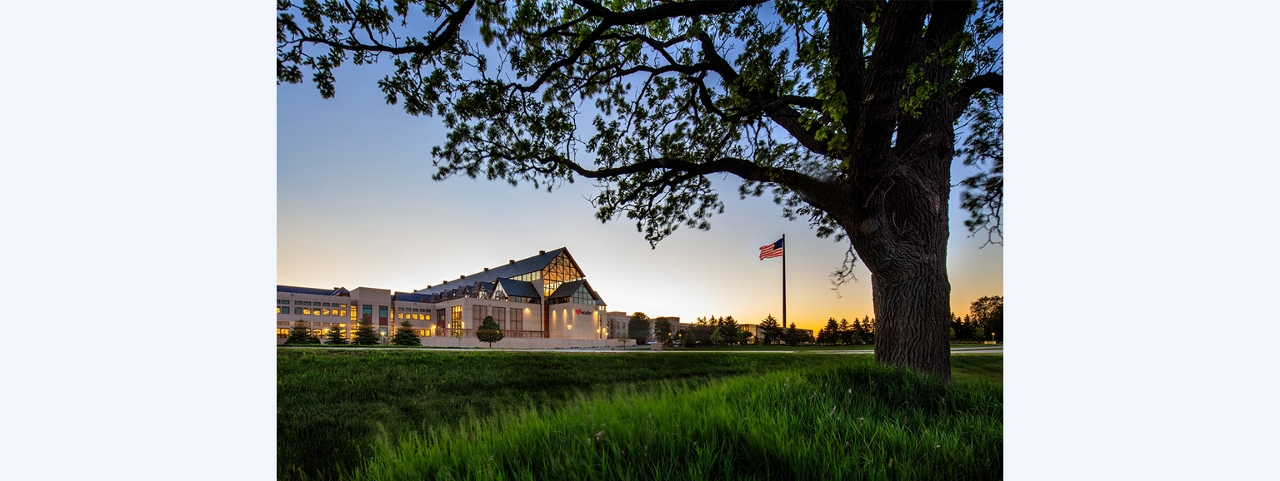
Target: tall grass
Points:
(851, 420)
(331, 404)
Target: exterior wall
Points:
(616, 322)
(321, 312)
(531, 314)
(421, 315)
(586, 320)
(375, 299)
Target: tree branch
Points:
(779, 111)
(452, 24)
(989, 80)
(665, 11)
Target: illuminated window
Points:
(353, 313)
(455, 313)
(342, 305)
(326, 312)
(529, 277)
(426, 317)
(277, 309)
(559, 271)
(306, 312)
(282, 333)
(399, 315)
(342, 313)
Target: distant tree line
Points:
(714, 331)
(860, 331)
(773, 332)
(984, 322)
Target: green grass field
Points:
(487, 415)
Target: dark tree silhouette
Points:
(489, 331)
(365, 335)
(405, 336)
(846, 112)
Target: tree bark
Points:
(899, 227)
(911, 294)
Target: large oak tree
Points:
(846, 112)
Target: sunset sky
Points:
(357, 207)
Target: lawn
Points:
(394, 413)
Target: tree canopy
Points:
(845, 112)
(489, 331)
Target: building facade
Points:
(617, 322)
(534, 301)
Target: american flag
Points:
(771, 250)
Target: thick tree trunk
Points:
(912, 302)
(912, 307)
(900, 232)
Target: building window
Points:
(479, 312)
(500, 315)
(382, 314)
(517, 319)
(284, 310)
(367, 312)
(353, 314)
(455, 313)
(297, 303)
(282, 333)
(440, 318)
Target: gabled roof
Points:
(337, 291)
(567, 289)
(411, 297)
(522, 266)
(518, 288)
